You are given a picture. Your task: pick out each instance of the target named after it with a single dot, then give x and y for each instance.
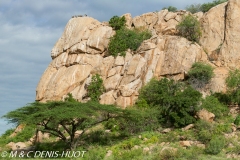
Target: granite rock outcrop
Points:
(82, 52)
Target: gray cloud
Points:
(30, 28)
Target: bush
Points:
(233, 84)
(171, 9)
(213, 105)
(189, 27)
(194, 8)
(215, 145)
(233, 80)
(127, 39)
(205, 7)
(224, 98)
(200, 74)
(237, 120)
(117, 22)
(95, 88)
(176, 102)
(204, 131)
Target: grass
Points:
(148, 145)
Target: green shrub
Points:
(113, 125)
(204, 131)
(189, 27)
(142, 103)
(205, 7)
(224, 98)
(171, 9)
(117, 22)
(237, 120)
(220, 128)
(70, 98)
(177, 103)
(233, 80)
(200, 74)
(215, 145)
(127, 39)
(213, 105)
(194, 8)
(204, 136)
(95, 88)
(233, 84)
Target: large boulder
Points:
(213, 27)
(203, 114)
(230, 54)
(85, 34)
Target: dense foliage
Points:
(171, 9)
(200, 73)
(189, 27)
(127, 39)
(237, 120)
(95, 88)
(233, 80)
(232, 96)
(215, 145)
(212, 104)
(176, 102)
(233, 84)
(207, 6)
(117, 22)
(62, 119)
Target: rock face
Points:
(82, 52)
(213, 27)
(221, 33)
(230, 55)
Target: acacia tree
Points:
(63, 119)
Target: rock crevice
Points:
(81, 52)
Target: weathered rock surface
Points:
(213, 27)
(81, 52)
(230, 55)
(83, 35)
(203, 114)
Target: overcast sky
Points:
(30, 28)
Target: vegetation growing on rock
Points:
(176, 102)
(171, 8)
(207, 6)
(125, 38)
(117, 22)
(190, 28)
(200, 74)
(95, 88)
(108, 132)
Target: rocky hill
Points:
(82, 51)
